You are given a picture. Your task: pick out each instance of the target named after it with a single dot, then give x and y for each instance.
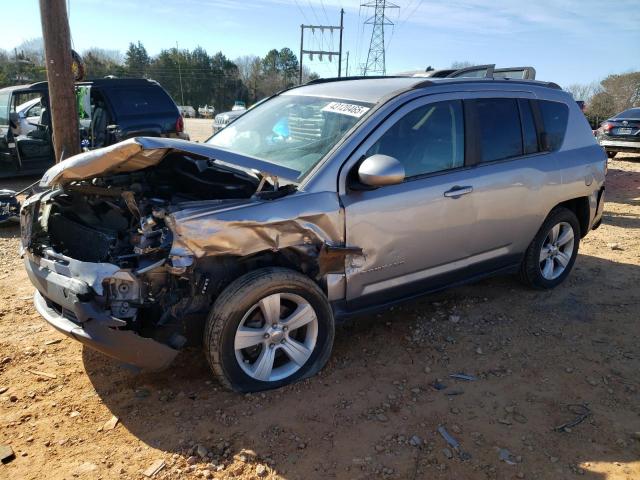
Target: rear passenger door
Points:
(513, 177)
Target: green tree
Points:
(624, 90)
(99, 63)
(137, 60)
(600, 107)
(288, 66)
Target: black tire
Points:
(233, 304)
(530, 270)
(611, 154)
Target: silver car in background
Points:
(223, 119)
(328, 200)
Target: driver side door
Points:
(415, 235)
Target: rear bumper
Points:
(64, 303)
(620, 145)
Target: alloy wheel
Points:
(556, 251)
(276, 337)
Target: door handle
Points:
(457, 191)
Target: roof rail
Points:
(428, 83)
(356, 77)
(476, 68)
(490, 71)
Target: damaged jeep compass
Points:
(327, 200)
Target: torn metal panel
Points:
(256, 226)
(142, 152)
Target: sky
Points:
(566, 41)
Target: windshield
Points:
(293, 131)
(5, 97)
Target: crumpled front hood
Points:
(142, 152)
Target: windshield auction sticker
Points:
(346, 109)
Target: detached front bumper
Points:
(66, 304)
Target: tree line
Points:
(196, 78)
(192, 77)
(612, 95)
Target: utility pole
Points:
(376, 56)
(340, 47)
(347, 69)
(179, 73)
(62, 97)
(320, 53)
(301, 53)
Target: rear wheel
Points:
(552, 253)
(269, 328)
(611, 154)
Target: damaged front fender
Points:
(249, 228)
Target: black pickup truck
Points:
(110, 110)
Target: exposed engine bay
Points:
(120, 220)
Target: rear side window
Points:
(141, 100)
(499, 125)
(554, 119)
(529, 134)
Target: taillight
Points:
(180, 124)
(607, 126)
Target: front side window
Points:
(499, 123)
(294, 131)
(426, 140)
(554, 118)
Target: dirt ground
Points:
(199, 129)
(373, 412)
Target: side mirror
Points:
(380, 170)
(22, 115)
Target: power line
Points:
(313, 10)
(393, 31)
(301, 11)
(409, 14)
(325, 12)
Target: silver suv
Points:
(328, 200)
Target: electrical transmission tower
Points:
(375, 57)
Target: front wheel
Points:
(552, 253)
(269, 328)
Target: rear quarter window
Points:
(141, 101)
(554, 119)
